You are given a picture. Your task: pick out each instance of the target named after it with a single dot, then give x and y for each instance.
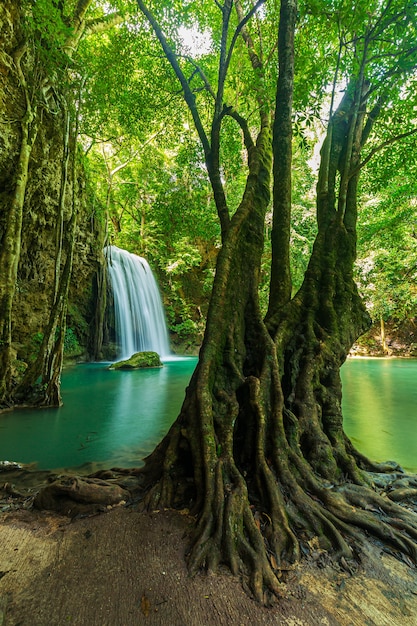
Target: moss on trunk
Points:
(258, 452)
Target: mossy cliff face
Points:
(36, 268)
(11, 103)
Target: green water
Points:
(115, 418)
(380, 408)
(111, 418)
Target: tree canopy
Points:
(325, 52)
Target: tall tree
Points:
(48, 34)
(47, 39)
(259, 448)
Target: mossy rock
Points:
(137, 361)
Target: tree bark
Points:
(258, 451)
(11, 242)
(280, 284)
(383, 336)
(42, 380)
(211, 411)
(96, 333)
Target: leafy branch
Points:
(380, 147)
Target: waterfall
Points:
(139, 314)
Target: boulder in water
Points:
(137, 361)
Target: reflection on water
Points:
(380, 408)
(111, 417)
(117, 417)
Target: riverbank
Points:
(390, 339)
(127, 567)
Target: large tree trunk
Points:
(258, 451)
(202, 443)
(259, 445)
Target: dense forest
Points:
(260, 155)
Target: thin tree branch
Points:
(188, 94)
(243, 21)
(381, 146)
(101, 24)
(223, 65)
(323, 183)
(247, 137)
(80, 11)
(395, 70)
(379, 21)
(372, 117)
(198, 70)
(78, 26)
(253, 56)
(361, 92)
(211, 150)
(135, 154)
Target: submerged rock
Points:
(137, 361)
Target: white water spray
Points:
(139, 314)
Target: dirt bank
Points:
(126, 567)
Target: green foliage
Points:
(71, 345)
(37, 339)
(45, 24)
(127, 94)
(387, 264)
(387, 251)
(19, 368)
(28, 352)
(185, 256)
(146, 163)
(186, 329)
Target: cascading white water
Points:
(139, 314)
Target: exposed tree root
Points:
(261, 514)
(261, 501)
(73, 495)
(227, 532)
(259, 525)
